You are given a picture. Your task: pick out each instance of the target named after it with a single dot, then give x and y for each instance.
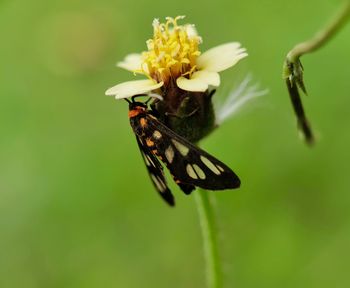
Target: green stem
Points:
(323, 35)
(209, 234)
(293, 69)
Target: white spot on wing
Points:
(159, 183)
(157, 135)
(210, 165)
(182, 148)
(199, 171)
(169, 154)
(190, 172)
(220, 168)
(146, 159)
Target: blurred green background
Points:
(77, 208)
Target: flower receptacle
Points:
(189, 114)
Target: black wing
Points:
(189, 164)
(156, 174)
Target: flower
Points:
(173, 60)
(179, 76)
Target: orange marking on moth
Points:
(177, 181)
(143, 122)
(133, 113)
(155, 151)
(149, 142)
(136, 111)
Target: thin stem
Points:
(209, 234)
(322, 36)
(293, 69)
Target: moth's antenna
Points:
(127, 100)
(149, 99)
(150, 95)
(138, 95)
(133, 98)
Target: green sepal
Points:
(191, 115)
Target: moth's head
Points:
(136, 108)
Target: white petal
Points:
(221, 57)
(131, 88)
(131, 62)
(211, 78)
(199, 81)
(194, 85)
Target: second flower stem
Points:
(322, 36)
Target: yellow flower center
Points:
(172, 52)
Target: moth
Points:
(189, 165)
